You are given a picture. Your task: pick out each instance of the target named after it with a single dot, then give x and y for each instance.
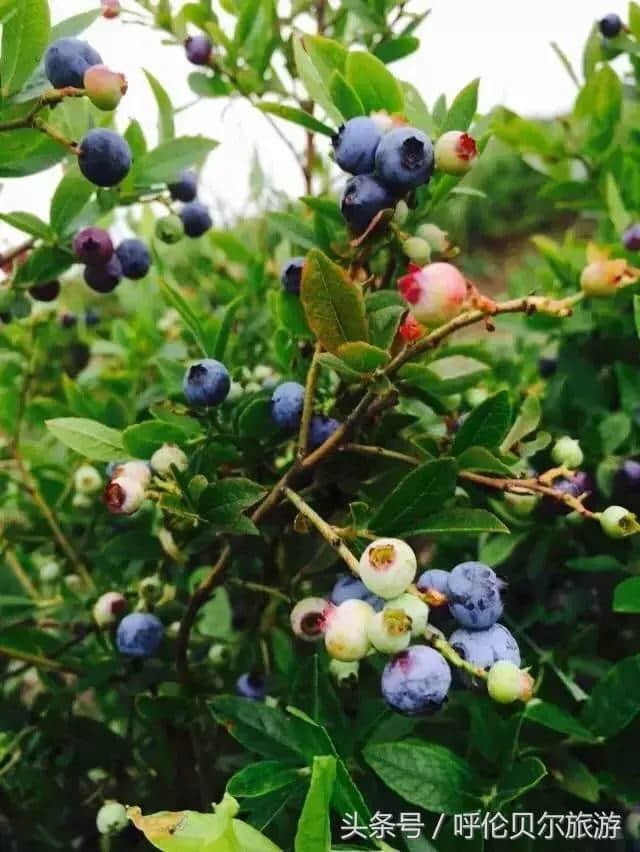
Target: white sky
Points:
(504, 42)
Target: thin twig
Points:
(309, 398)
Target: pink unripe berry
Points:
(139, 470)
(436, 292)
(124, 495)
(455, 152)
(388, 567)
(389, 631)
(345, 634)
(308, 618)
(602, 277)
(110, 8)
(108, 608)
(104, 87)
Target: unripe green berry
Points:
(169, 229)
(566, 451)
(111, 818)
(344, 672)
(415, 608)
(417, 250)
(166, 458)
(401, 213)
(105, 88)
(388, 567)
(389, 631)
(435, 236)
(87, 480)
(150, 589)
(522, 505)
(219, 654)
(345, 634)
(49, 571)
(507, 683)
(173, 630)
(618, 522)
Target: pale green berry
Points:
(219, 654)
(401, 213)
(632, 825)
(435, 236)
(521, 505)
(166, 458)
(417, 250)
(173, 630)
(108, 608)
(308, 618)
(49, 571)
(389, 631)
(476, 396)
(111, 818)
(344, 672)
(150, 589)
(87, 480)
(345, 634)
(169, 229)
(507, 683)
(566, 451)
(416, 609)
(388, 567)
(618, 522)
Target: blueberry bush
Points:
(317, 529)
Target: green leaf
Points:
(597, 111)
(626, 596)
(393, 49)
(461, 112)
(166, 129)
(291, 315)
(425, 774)
(554, 717)
(43, 264)
(326, 54)
(634, 19)
(297, 116)
(216, 616)
(615, 701)
(194, 323)
(208, 85)
(363, 357)
(224, 332)
(87, 437)
(517, 779)
(344, 96)
(595, 564)
(314, 830)
(143, 439)
(572, 775)
(526, 422)
(333, 304)
(376, 87)
(480, 460)
(421, 492)
(487, 424)
(614, 429)
(70, 198)
(636, 313)
(25, 152)
(165, 162)
(293, 227)
(229, 497)
(28, 223)
(618, 213)
(383, 325)
(262, 777)
(416, 111)
(270, 731)
(24, 39)
(460, 521)
(449, 375)
(313, 82)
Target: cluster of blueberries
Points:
(381, 610)
(106, 266)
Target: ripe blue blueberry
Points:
(321, 428)
(251, 686)
(434, 585)
(631, 237)
(627, 478)
(347, 587)
(483, 648)
(610, 25)
(364, 196)
(105, 278)
(195, 219)
(547, 367)
(92, 246)
(104, 157)
(355, 145)
(198, 49)
(91, 317)
(416, 681)
(67, 59)
(286, 405)
(186, 187)
(474, 595)
(576, 485)
(404, 159)
(134, 258)
(139, 634)
(291, 274)
(206, 383)
(48, 291)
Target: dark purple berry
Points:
(46, 292)
(186, 188)
(631, 237)
(91, 317)
(198, 49)
(105, 278)
(547, 367)
(291, 274)
(68, 320)
(92, 246)
(610, 25)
